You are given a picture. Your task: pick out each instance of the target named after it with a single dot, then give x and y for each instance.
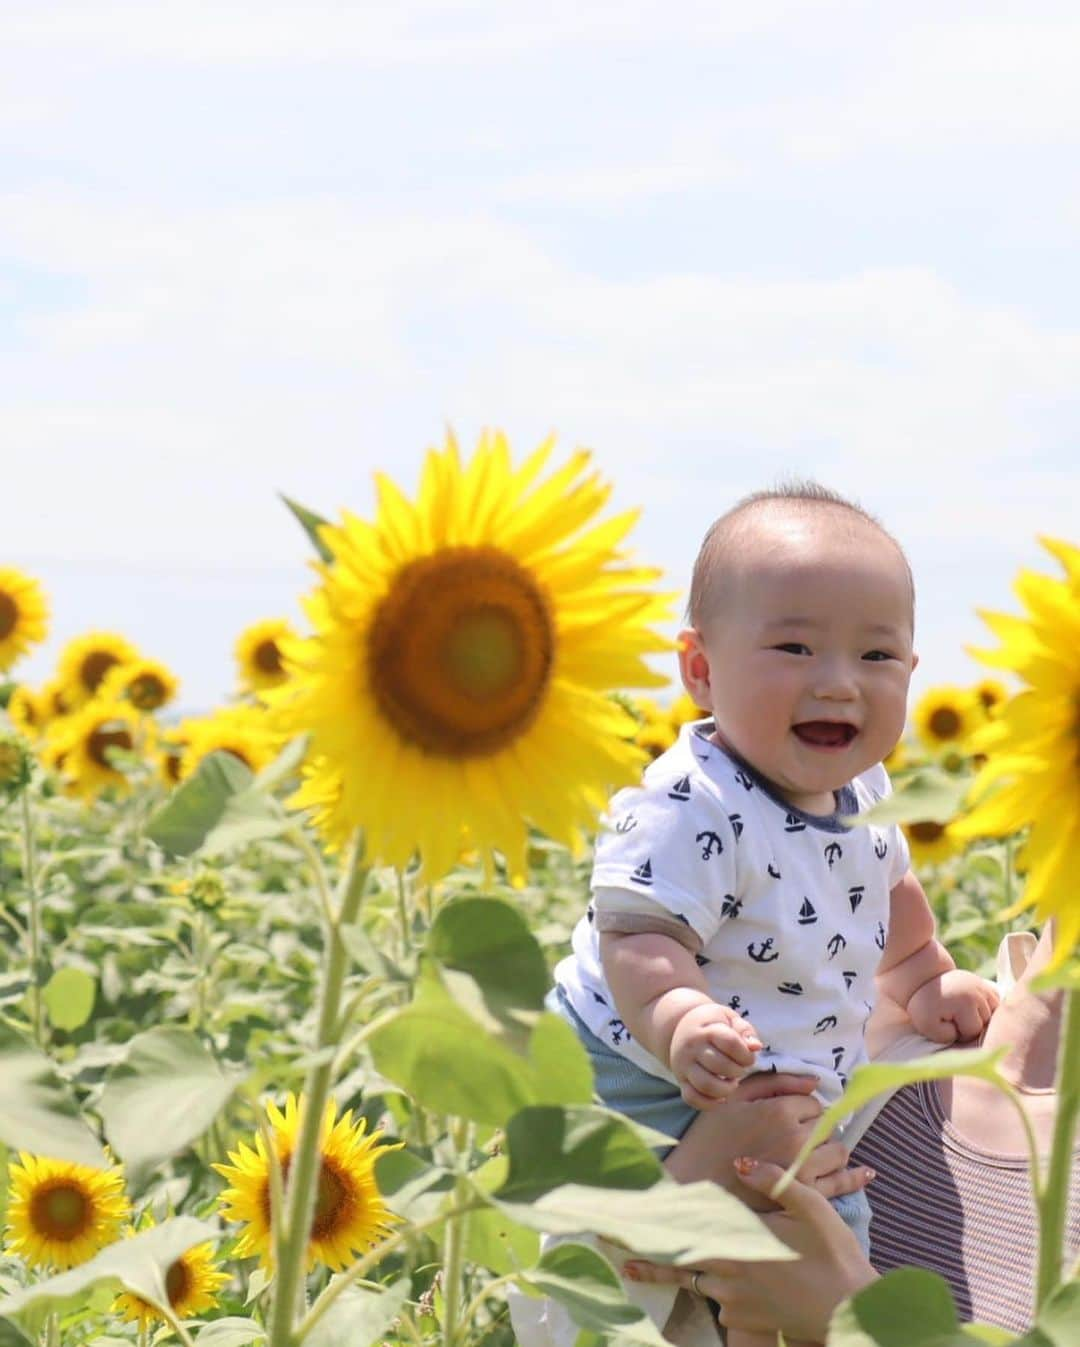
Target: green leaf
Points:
(926, 796)
(12, 1336)
(161, 1097)
(490, 941)
(1056, 1324)
(682, 1223)
(69, 998)
(359, 1316)
(367, 956)
(311, 522)
(230, 1332)
(867, 1082)
(139, 1265)
(906, 1308)
(285, 765)
(413, 1187)
(37, 1110)
(585, 1282)
(217, 808)
(495, 1241)
(553, 1146)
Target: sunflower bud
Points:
(208, 891)
(15, 765)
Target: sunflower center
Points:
(236, 753)
(147, 692)
(267, 657)
(945, 723)
(926, 831)
(61, 1212)
(94, 668)
(101, 740)
(177, 1282)
(9, 615)
(460, 652)
(988, 697)
(330, 1201)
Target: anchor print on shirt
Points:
(643, 874)
(736, 824)
(793, 824)
(855, 895)
(773, 871)
(626, 823)
(807, 915)
(836, 944)
(618, 1031)
(735, 1004)
(826, 1022)
(879, 936)
(680, 790)
(763, 953)
(833, 852)
(880, 847)
(745, 781)
(712, 843)
(731, 906)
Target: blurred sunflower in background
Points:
(247, 732)
(464, 648)
(86, 660)
(258, 654)
(1031, 778)
(991, 694)
(24, 615)
(146, 683)
(931, 843)
(80, 746)
(945, 717)
(29, 712)
(192, 1283)
(60, 1213)
(350, 1214)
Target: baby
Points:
(738, 923)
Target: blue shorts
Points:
(647, 1099)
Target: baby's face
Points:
(808, 657)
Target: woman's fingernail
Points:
(631, 1270)
(871, 1174)
(745, 1164)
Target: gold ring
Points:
(695, 1286)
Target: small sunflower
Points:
(24, 615)
(464, 650)
(56, 699)
(79, 745)
(61, 1213)
(85, 661)
(991, 695)
(946, 716)
(28, 711)
(170, 756)
(192, 1283)
(146, 683)
(258, 654)
(350, 1214)
(247, 732)
(931, 843)
(1032, 774)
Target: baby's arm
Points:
(918, 973)
(660, 995)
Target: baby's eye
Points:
(793, 648)
(878, 655)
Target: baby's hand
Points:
(954, 1007)
(711, 1049)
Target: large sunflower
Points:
(258, 654)
(946, 717)
(79, 745)
(247, 732)
(464, 648)
(24, 615)
(86, 660)
(1032, 774)
(146, 683)
(350, 1214)
(191, 1283)
(61, 1213)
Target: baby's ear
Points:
(694, 665)
(914, 661)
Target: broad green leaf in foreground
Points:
(490, 941)
(164, 1095)
(37, 1110)
(231, 1332)
(552, 1146)
(359, 1316)
(69, 998)
(585, 1282)
(13, 1336)
(867, 1082)
(681, 1223)
(909, 1307)
(1056, 1325)
(139, 1264)
(216, 808)
(926, 796)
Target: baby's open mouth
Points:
(825, 733)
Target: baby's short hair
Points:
(802, 495)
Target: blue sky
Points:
(247, 248)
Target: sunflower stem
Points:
(52, 1331)
(277, 1185)
(302, 1187)
(454, 1237)
(486, 1291)
(1054, 1201)
(34, 927)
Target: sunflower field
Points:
(275, 1062)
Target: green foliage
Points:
(69, 998)
(216, 810)
(585, 1282)
(38, 1110)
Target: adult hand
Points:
(797, 1297)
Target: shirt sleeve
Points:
(877, 782)
(671, 841)
(624, 913)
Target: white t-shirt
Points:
(791, 910)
